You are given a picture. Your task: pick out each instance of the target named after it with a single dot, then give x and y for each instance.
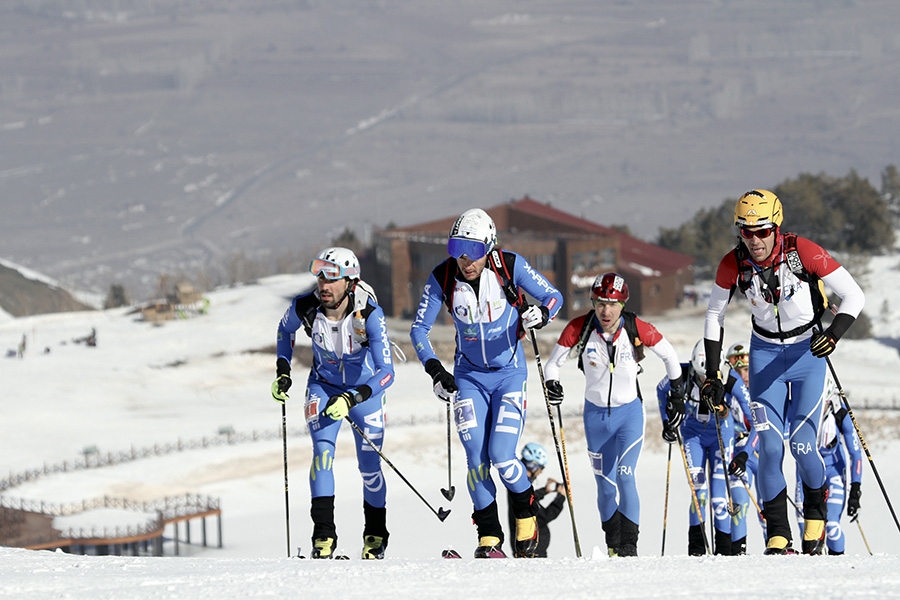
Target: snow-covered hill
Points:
(189, 379)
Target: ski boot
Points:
(489, 547)
(777, 526)
(814, 512)
(323, 547)
(526, 537)
(490, 533)
(696, 540)
(612, 530)
(628, 547)
(739, 547)
(722, 542)
(778, 545)
(373, 547)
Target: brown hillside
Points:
(21, 297)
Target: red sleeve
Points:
(815, 258)
(569, 336)
(648, 334)
(727, 273)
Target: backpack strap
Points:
(497, 262)
(630, 325)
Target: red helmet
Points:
(609, 287)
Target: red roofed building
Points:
(568, 250)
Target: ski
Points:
(450, 553)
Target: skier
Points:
(534, 457)
(480, 285)
(700, 431)
(351, 369)
(745, 459)
(609, 342)
(780, 274)
(837, 441)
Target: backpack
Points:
(795, 264)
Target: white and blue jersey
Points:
(489, 367)
(343, 360)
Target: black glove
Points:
(853, 501)
(282, 382)
(712, 393)
(738, 466)
(554, 392)
(822, 343)
(668, 434)
(675, 406)
(444, 384)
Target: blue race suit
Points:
(837, 441)
(489, 368)
(343, 360)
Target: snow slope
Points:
(145, 385)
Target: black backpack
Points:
(630, 329)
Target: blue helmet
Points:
(534, 456)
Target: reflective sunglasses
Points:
(762, 234)
(472, 249)
(330, 270)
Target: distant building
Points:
(568, 250)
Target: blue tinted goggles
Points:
(472, 249)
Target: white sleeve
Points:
(852, 297)
(557, 359)
(666, 351)
(715, 312)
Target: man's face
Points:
(332, 291)
(471, 269)
(760, 247)
(608, 314)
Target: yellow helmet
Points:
(758, 207)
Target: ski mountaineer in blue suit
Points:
(704, 456)
(837, 441)
(783, 276)
(352, 367)
(745, 458)
(480, 286)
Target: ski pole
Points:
(287, 503)
(731, 509)
(862, 441)
(440, 514)
(450, 491)
(666, 502)
(694, 499)
(752, 499)
(560, 453)
(865, 541)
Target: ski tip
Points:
(442, 514)
(450, 553)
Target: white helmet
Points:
(698, 359)
(473, 235)
(735, 350)
(335, 263)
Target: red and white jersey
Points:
(789, 303)
(610, 382)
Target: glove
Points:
(822, 343)
(535, 317)
(853, 500)
(339, 405)
(280, 387)
(669, 434)
(675, 408)
(444, 384)
(738, 466)
(712, 393)
(554, 392)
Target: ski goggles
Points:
(739, 360)
(762, 233)
(472, 249)
(330, 270)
